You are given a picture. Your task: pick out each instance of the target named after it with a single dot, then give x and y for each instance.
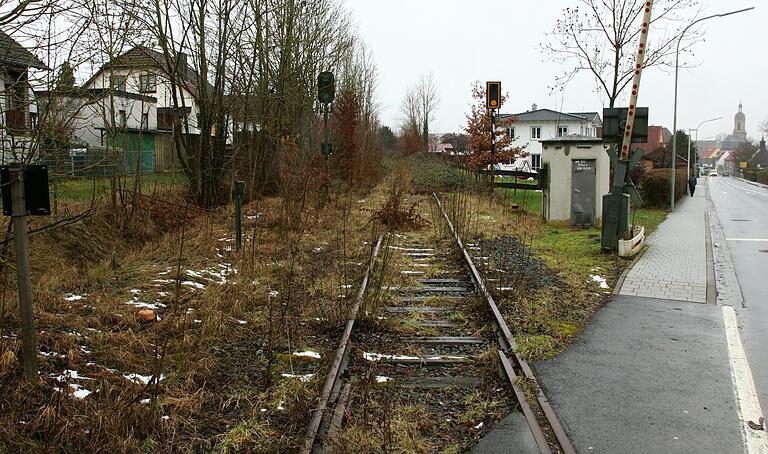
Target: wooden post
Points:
(23, 280)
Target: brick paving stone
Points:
(674, 267)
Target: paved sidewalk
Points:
(675, 265)
(647, 376)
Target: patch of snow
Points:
(141, 379)
(302, 378)
(197, 321)
(163, 281)
(69, 374)
(162, 294)
(273, 293)
(135, 291)
(144, 401)
(240, 322)
(166, 417)
(600, 280)
(280, 406)
(317, 249)
(143, 305)
(193, 284)
(52, 355)
(378, 357)
(505, 289)
(263, 410)
(79, 392)
(479, 426)
(382, 379)
(85, 350)
(308, 354)
(73, 297)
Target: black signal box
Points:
(35, 190)
(326, 87)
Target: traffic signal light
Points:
(493, 95)
(326, 87)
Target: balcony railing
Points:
(17, 122)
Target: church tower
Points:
(740, 125)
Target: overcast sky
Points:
(461, 41)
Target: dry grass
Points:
(215, 355)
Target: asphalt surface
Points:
(743, 212)
(647, 375)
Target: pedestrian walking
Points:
(692, 180)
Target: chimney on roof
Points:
(534, 107)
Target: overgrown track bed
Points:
(426, 369)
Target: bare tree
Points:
(419, 104)
(601, 37)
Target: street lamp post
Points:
(688, 162)
(674, 118)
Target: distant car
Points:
(713, 173)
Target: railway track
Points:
(446, 348)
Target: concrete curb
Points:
(759, 185)
(711, 297)
(728, 290)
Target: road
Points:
(743, 212)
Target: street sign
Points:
(743, 165)
(38, 202)
(326, 87)
(493, 95)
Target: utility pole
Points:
(23, 280)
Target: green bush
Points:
(759, 176)
(431, 173)
(655, 187)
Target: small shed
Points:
(578, 175)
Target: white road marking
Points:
(756, 441)
(747, 239)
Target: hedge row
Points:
(759, 176)
(655, 187)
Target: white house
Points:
(18, 109)
(145, 72)
(529, 128)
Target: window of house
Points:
(511, 133)
(122, 119)
(145, 120)
(562, 131)
(148, 83)
(119, 82)
(536, 161)
(536, 132)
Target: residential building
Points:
(528, 129)
(658, 137)
(123, 125)
(710, 156)
(17, 99)
(146, 72)
(760, 158)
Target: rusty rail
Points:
(332, 379)
(510, 351)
